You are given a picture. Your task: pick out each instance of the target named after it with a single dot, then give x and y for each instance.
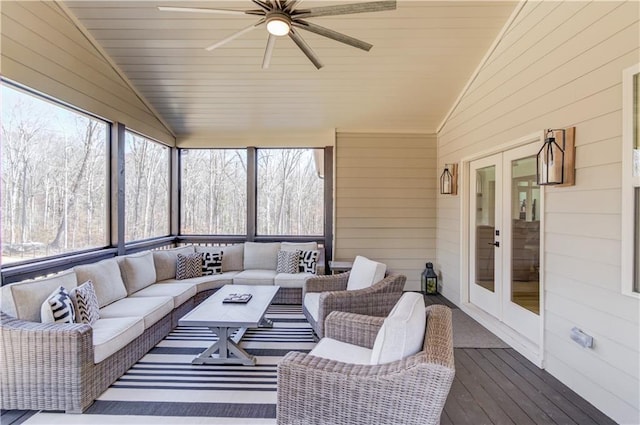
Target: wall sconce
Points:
(449, 180)
(555, 162)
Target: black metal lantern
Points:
(446, 182)
(550, 160)
(429, 280)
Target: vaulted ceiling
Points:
(423, 54)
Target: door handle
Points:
(496, 244)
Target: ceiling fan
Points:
(283, 17)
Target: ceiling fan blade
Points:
(305, 48)
(264, 5)
(271, 42)
(235, 35)
(345, 9)
(290, 5)
(203, 10)
(334, 35)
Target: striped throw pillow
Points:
(86, 303)
(189, 266)
(58, 308)
(288, 261)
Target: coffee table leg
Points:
(228, 350)
(266, 323)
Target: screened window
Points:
(54, 174)
(147, 170)
(213, 194)
(290, 198)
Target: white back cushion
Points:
(402, 333)
(165, 261)
(106, 278)
(365, 273)
(138, 271)
(298, 246)
(261, 255)
(21, 299)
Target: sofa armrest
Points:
(313, 390)
(332, 282)
(357, 329)
(45, 365)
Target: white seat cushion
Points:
(292, 280)
(203, 283)
(312, 304)
(332, 349)
(110, 335)
(365, 273)
(180, 292)
(255, 277)
(402, 333)
(151, 309)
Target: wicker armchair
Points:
(376, 300)
(313, 390)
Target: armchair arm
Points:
(331, 282)
(376, 300)
(353, 328)
(45, 365)
(313, 390)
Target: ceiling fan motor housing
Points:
(278, 23)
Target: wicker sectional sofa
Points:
(52, 366)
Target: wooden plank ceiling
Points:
(424, 52)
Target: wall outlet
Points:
(581, 338)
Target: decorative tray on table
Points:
(237, 298)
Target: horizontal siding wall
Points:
(385, 200)
(560, 65)
(43, 49)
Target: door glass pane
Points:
(636, 125)
(636, 265)
(525, 231)
(485, 227)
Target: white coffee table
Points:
(225, 318)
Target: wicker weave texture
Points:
(288, 296)
(376, 300)
(313, 390)
(50, 366)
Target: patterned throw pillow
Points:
(308, 260)
(189, 266)
(211, 263)
(288, 262)
(58, 308)
(86, 303)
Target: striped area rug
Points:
(165, 388)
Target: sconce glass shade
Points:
(446, 182)
(550, 161)
(278, 24)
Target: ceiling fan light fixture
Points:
(278, 24)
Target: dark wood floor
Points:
(491, 386)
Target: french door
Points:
(504, 232)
